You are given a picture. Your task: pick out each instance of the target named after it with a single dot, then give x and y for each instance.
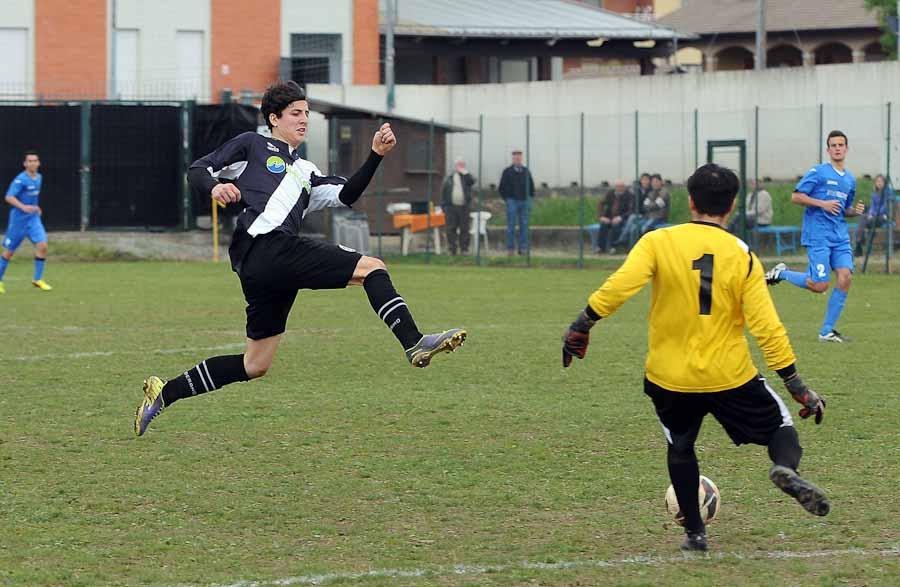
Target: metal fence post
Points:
(637, 152)
(821, 131)
(479, 197)
(379, 188)
(581, 199)
(891, 204)
(529, 197)
(430, 187)
(85, 168)
(187, 111)
(696, 138)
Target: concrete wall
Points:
(307, 16)
(19, 14)
(158, 61)
(853, 95)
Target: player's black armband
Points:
(357, 184)
(200, 178)
(585, 320)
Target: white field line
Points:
(94, 354)
(476, 570)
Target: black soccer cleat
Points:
(695, 541)
(808, 495)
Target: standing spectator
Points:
(517, 190)
(759, 209)
(632, 229)
(879, 208)
(456, 199)
(612, 214)
(656, 205)
(25, 220)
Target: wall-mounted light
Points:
(596, 42)
(648, 44)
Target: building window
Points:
(316, 59)
(14, 65)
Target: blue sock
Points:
(835, 307)
(3, 264)
(795, 278)
(39, 268)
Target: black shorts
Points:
(276, 265)
(751, 413)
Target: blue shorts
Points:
(823, 258)
(31, 227)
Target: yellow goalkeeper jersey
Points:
(707, 285)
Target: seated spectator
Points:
(632, 229)
(656, 205)
(876, 215)
(612, 214)
(759, 212)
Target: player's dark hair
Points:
(278, 97)
(713, 189)
(656, 176)
(837, 133)
(643, 175)
(30, 152)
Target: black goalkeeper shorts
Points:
(751, 413)
(277, 265)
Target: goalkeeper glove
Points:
(576, 339)
(809, 399)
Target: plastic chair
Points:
(478, 227)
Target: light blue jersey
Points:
(824, 182)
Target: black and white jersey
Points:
(277, 187)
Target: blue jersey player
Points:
(827, 191)
(25, 220)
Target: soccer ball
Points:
(710, 501)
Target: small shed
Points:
(412, 172)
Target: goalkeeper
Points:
(708, 285)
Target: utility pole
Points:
(391, 14)
(761, 34)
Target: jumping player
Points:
(273, 261)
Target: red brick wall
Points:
(70, 48)
(246, 36)
(365, 43)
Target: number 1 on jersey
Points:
(705, 266)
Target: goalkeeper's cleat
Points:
(808, 495)
(2, 288)
(773, 275)
(833, 336)
(151, 406)
(431, 344)
(695, 541)
(41, 285)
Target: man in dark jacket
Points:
(456, 200)
(517, 190)
(612, 214)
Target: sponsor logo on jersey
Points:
(832, 182)
(271, 147)
(275, 164)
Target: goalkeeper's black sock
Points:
(784, 448)
(684, 471)
(391, 307)
(207, 376)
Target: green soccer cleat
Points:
(41, 285)
(431, 344)
(151, 406)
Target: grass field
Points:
(346, 466)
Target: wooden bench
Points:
(410, 224)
